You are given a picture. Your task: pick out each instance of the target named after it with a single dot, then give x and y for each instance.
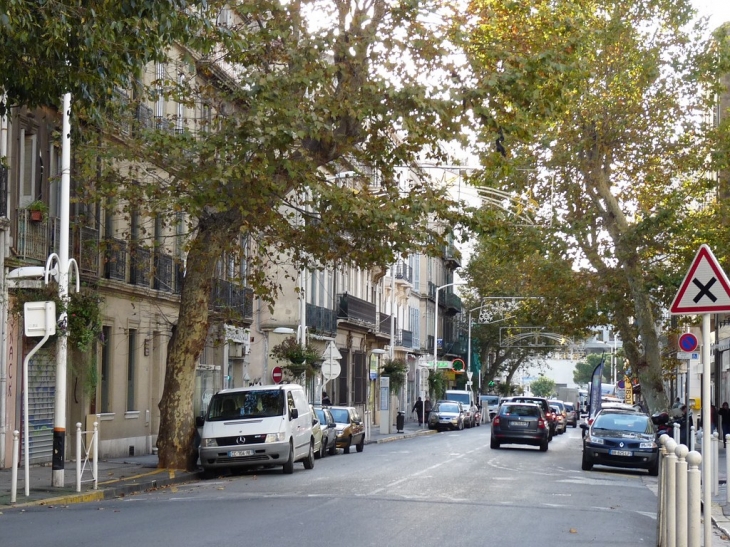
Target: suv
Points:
(542, 402)
(349, 426)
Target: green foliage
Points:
(437, 384)
(38, 205)
(543, 386)
(299, 359)
(396, 370)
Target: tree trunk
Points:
(175, 441)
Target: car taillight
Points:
(540, 423)
(495, 421)
(590, 421)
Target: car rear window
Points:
(520, 410)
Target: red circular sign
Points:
(688, 342)
(277, 375)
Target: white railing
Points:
(93, 448)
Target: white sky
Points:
(717, 10)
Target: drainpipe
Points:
(3, 307)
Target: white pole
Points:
(694, 510)
(78, 456)
(59, 422)
(14, 472)
(706, 428)
(715, 464)
(681, 518)
(96, 455)
(727, 472)
(670, 509)
(661, 491)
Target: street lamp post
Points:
(436, 324)
(369, 419)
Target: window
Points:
(131, 370)
(106, 367)
(27, 163)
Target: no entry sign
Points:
(277, 375)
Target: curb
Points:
(403, 436)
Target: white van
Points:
(262, 425)
(466, 398)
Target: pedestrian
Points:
(326, 399)
(426, 409)
(724, 414)
(713, 419)
(684, 426)
(418, 409)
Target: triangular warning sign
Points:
(705, 288)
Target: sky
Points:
(717, 10)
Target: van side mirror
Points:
(199, 421)
(293, 414)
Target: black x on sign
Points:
(705, 288)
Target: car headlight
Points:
(275, 437)
(651, 444)
(455, 420)
(595, 440)
(207, 443)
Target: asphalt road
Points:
(448, 489)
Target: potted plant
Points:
(301, 358)
(37, 210)
(396, 370)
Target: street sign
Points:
(691, 355)
(705, 288)
(277, 375)
(331, 370)
(688, 342)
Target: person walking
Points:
(724, 414)
(426, 409)
(418, 409)
(685, 427)
(326, 399)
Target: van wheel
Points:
(361, 445)
(309, 460)
(346, 450)
(289, 465)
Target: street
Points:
(445, 489)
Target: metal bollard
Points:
(676, 432)
(681, 516)
(694, 495)
(95, 465)
(715, 464)
(692, 436)
(78, 456)
(727, 473)
(14, 472)
(670, 507)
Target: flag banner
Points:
(595, 400)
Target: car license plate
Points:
(620, 453)
(240, 453)
(519, 424)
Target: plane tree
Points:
(594, 113)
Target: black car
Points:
(520, 423)
(542, 402)
(621, 438)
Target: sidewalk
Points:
(720, 508)
(120, 477)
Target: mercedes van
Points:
(257, 426)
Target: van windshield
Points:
(247, 404)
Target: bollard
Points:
(661, 490)
(670, 507)
(694, 495)
(95, 465)
(78, 456)
(14, 472)
(677, 433)
(681, 516)
(715, 464)
(692, 435)
(727, 473)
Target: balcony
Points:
(403, 272)
(453, 304)
(384, 323)
(321, 320)
(140, 266)
(3, 191)
(452, 257)
(356, 310)
(34, 238)
(404, 338)
(232, 299)
(429, 344)
(432, 291)
(115, 259)
(85, 244)
(163, 272)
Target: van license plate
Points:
(620, 453)
(240, 453)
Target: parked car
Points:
(349, 427)
(620, 438)
(329, 431)
(520, 423)
(253, 426)
(447, 415)
(559, 418)
(542, 402)
(571, 415)
(466, 398)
